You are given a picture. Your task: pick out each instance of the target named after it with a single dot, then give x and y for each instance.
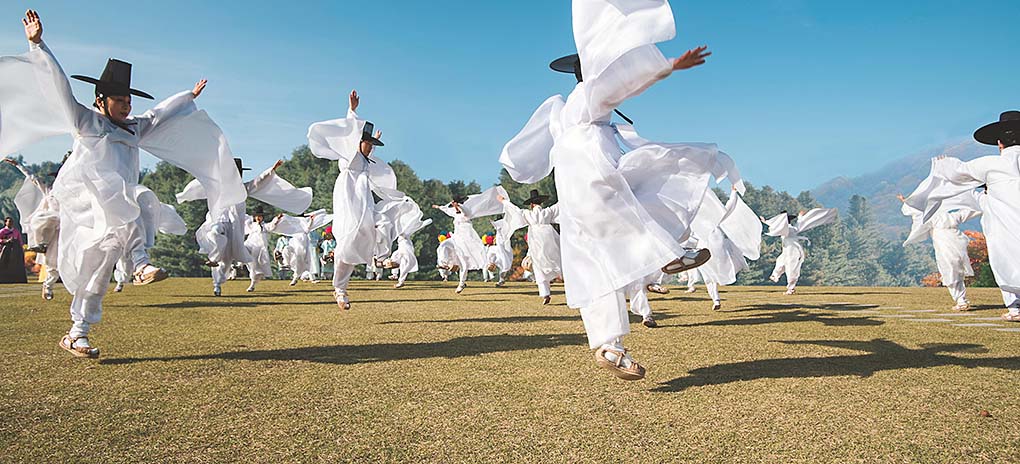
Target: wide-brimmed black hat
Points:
(460, 198)
(536, 198)
(240, 165)
(570, 64)
(368, 135)
(992, 133)
(258, 211)
(115, 80)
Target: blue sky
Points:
(797, 91)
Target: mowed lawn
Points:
(425, 375)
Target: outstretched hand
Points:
(9, 161)
(355, 100)
(692, 58)
(900, 197)
(278, 164)
(500, 198)
(199, 87)
(33, 26)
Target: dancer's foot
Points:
(211, 263)
(774, 278)
(47, 293)
(217, 290)
(656, 288)
(962, 306)
(293, 282)
(460, 288)
(619, 363)
(149, 274)
(399, 285)
(40, 248)
(119, 287)
(1011, 317)
(690, 290)
(79, 347)
(690, 260)
(649, 322)
(546, 300)
(501, 283)
(791, 291)
(251, 288)
(716, 307)
(342, 301)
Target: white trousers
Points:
(98, 262)
(958, 290)
(605, 320)
(342, 273)
(1011, 300)
(713, 291)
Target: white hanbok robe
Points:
(354, 216)
(792, 257)
(221, 237)
(257, 244)
(98, 186)
(300, 255)
(154, 217)
(403, 219)
(467, 243)
(501, 253)
(949, 242)
(732, 232)
(622, 217)
(543, 241)
(446, 255)
(1000, 206)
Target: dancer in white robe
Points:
(98, 187)
(792, 257)
(446, 257)
(405, 218)
(543, 240)
(621, 217)
(467, 244)
(40, 221)
(257, 244)
(732, 232)
(999, 204)
(221, 237)
(350, 142)
(949, 242)
(500, 255)
(299, 254)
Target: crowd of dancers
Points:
(631, 212)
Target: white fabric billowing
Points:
(522, 156)
(403, 218)
(257, 244)
(502, 252)
(28, 200)
(405, 257)
(96, 188)
(543, 240)
(792, 257)
(446, 254)
(731, 232)
(950, 244)
(354, 217)
(1000, 205)
(267, 187)
(40, 218)
(300, 256)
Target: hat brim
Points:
(460, 199)
(566, 64)
(991, 133)
(374, 141)
(97, 82)
(537, 200)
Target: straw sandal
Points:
(633, 372)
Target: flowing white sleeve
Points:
(616, 42)
(527, 157)
(779, 225)
(485, 203)
(289, 226)
(743, 228)
(513, 216)
(919, 230)
(270, 188)
(549, 215)
(192, 192)
(195, 143)
(169, 222)
(178, 105)
(336, 139)
(36, 101)
(816, 218)
(27, 200)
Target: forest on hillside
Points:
(849, 252)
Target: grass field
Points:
(424, 375)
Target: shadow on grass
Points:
(831, 320)
(849, 307)
(881, 355)
(358, 354)
(325, 302)
(515, 319)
